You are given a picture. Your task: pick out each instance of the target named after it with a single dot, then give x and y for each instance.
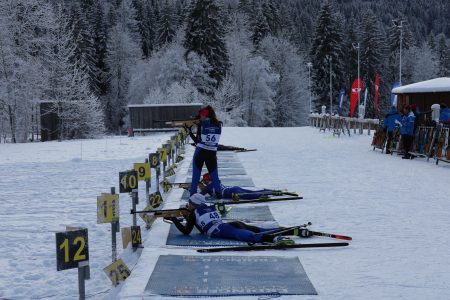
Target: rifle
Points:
(180, 122)
(165, 213)
(166, 185)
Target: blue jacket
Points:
(390, 118)
(445, 115)
(408, 124)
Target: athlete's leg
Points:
(211, 165)
(197, 165)
(228, 231)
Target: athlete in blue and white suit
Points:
(208, 221)
(207, 139)
(228, 191)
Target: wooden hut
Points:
(152, 117)
(424, 93)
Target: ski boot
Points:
(235, 197)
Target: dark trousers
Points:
(209, 158)
(390, 135)
(407, 142)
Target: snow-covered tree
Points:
(259, 27)
(204, 36)
(123, 53)
(326, 49)
(443, 56)
(291, 100)
(251, 75)
(78, 109)
(372, 54)
(23, 36)
(421, 63)
(166, 26)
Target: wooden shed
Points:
(424, 93)
(147, 117)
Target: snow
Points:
(396, 210)
(437, 85)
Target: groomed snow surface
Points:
(397, 212)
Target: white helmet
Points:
(197, 199)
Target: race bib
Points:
(208, 218)
(211, 138)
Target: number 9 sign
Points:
(143, 170)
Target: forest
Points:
(257, 62)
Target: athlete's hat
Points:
(206, 177)
(197, 199)
(204, 112)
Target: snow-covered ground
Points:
(397, 212)
(46, 186)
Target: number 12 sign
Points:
(71, 249)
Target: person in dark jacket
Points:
(390, 122)
(407, 130)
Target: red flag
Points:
(375, 98)
(354, 95)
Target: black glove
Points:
(305, 233)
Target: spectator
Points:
(390, 122)
(407, 130)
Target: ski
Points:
(270, 247)
(270, 192)
(295, 231)
(332, 235)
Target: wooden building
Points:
(148, 117)
(424, 93)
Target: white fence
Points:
(343, 125)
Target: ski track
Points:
(396, 210)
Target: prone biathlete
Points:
(233, 192)
(208, 220)
(206, 140)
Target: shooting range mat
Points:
(197, 276)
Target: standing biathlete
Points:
(207, 139)
(208, 221)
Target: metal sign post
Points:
(147, 184)
(72, 251)
(115, 227)
(154, 164)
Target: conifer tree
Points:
(166, 26)
(259, 27)
(372, 53)
(204, 36)
(326, 48)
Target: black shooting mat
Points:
(196, 239)
(197, 276)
